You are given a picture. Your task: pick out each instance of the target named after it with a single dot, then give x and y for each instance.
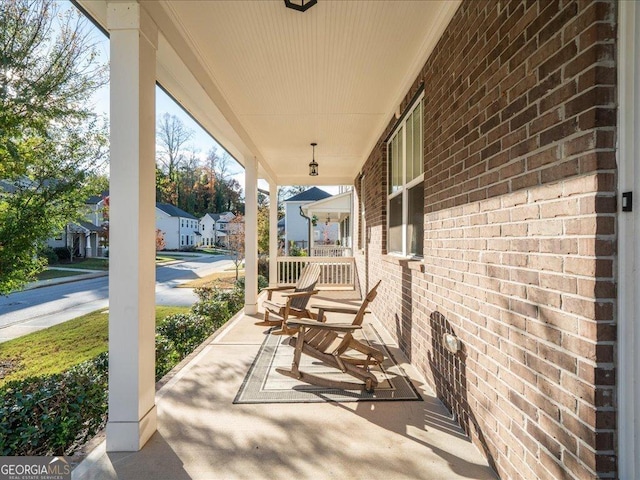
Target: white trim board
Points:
(628, 157)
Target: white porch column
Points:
(87, 245)
(251, 236)
(132, 410)
(273, 234)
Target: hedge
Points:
(56, 414)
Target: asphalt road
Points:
(31, 310)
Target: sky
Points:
(202, 141)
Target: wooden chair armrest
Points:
(336, 309)
(273, 306)
(270, 290)
(300, 294)
(336, 327)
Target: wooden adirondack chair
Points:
(295, 303)
(334, 344)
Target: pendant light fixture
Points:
(313, 166)
(300, 5)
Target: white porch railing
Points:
(330, 251)
(334, 271)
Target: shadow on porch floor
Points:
(203, 435)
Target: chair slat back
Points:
(308, 278)
(367, 300)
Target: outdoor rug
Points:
(264, 385)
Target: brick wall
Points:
(519, 136)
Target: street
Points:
(31, 310)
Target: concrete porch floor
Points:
(203, 435)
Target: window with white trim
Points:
(405, 195)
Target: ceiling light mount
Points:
(313, 166)
(300, 5)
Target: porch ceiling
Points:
(266, 81)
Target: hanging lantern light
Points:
(313, 166)
(300, 5)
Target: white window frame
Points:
(405, 187)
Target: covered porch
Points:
(487, 144)
(203, 435)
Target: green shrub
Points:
(55, 414)
(215, 311)
(166, 356)
(185, 331)
(50, 254)
(62, 253)
(52, 415)
(262, 283)
(234, 297)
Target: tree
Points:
(51, 145)
(220, 164)
(263, 230)
(160, 243)
(165, 188)
(235, 237)
(172, 137)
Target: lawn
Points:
(223, 280)
(86, 264)
(49, 274)
(57, 348)
(103, 263)
(214, 251)
(160, 259)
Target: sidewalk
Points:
(82, 275)
(86, 274)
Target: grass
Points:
(219, 279)
(58, 348)
(160, 259)
(214, 251)
(86, 264)
(103, 263)
(49, 274)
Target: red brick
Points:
(545, 157)
(559, 319)
(520, 234)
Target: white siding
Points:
(170, 226)
(295, 226)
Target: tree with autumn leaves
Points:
(52, 146)
(188, 181)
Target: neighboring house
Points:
(83, 236)
(332, 235)
(213, 228)
(181, 229)
(296, 227)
